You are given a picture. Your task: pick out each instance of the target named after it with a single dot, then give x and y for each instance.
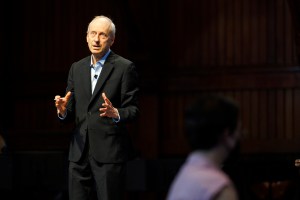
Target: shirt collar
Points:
(102, 60)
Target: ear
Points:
(112, 41)
(229, 139)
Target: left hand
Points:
(108, 110)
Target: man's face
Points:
(99, 38)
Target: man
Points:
(101, 97)
(212, 132)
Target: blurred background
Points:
(245, 49)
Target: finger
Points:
(103, 109)
(106, 99)
(68, 96)
(56, 97)
(106, 105)
(103, 114)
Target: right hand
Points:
(61, 103)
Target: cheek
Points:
(231, 141)
(89, 40)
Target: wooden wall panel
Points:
(231, 33)
(145, 132)
(267, 120)
(279, 115)
(263, 115)
(294, 6)
(296, 113)
(240, 48)
(288, 113)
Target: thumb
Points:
(68, 96)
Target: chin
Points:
(96, 52)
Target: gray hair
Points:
(112, 25)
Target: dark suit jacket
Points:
(109, 141)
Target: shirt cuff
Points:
(62, 116)
(116, 120)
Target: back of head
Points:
(208, 118)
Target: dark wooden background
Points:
(245, 49)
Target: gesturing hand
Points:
(61, 103)
(108, 110)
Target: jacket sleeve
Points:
(129, 94)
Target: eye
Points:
(93, 33)
(103, 35)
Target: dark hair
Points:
(208, 118)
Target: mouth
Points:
(96, 46)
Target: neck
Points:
(96, 58)
(216, 155)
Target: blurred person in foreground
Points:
(212, 127)
(101, 97)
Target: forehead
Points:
(98, 25)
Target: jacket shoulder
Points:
(119, 59)
(83, 61)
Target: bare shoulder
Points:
(228, 192)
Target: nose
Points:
(96, 38)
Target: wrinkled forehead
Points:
(100, 24)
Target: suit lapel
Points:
(86, 74)
(105, 72)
